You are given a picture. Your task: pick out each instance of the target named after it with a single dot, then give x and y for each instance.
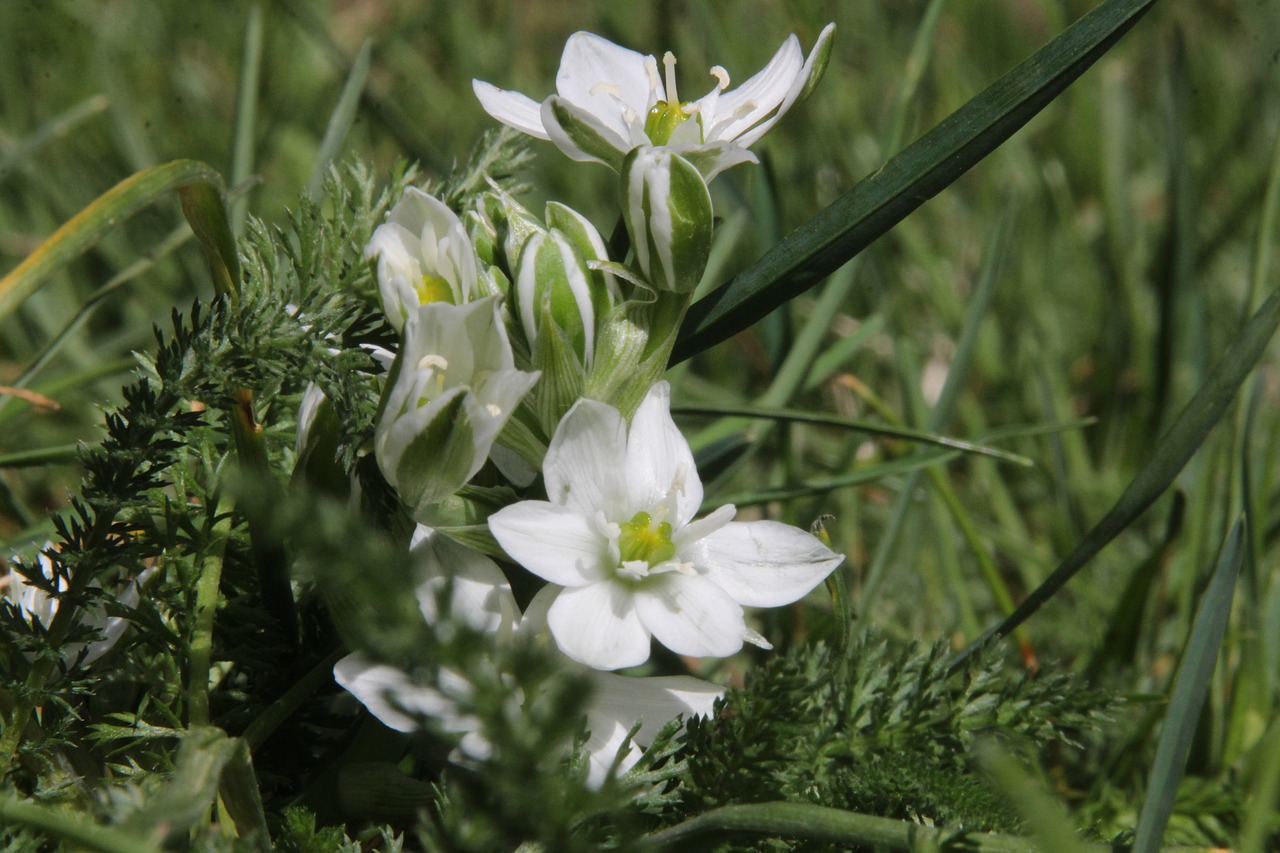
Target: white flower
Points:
(618, 702)
(39, 607)
(424, 255)
(451, 389)
(619, 534)
(610, 99)
(481, 597)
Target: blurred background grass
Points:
(1133, 208)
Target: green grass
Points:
(1062, 301)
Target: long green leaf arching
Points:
(200, 188)
(887, 430)
(1188, 695)
(1173, 450)
(918, 173)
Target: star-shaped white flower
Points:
(619, 535)
(480, 596)
(424, 255)
(610, 100)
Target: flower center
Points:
(641, 540)
(433, 288)
(432, 385)
(665, 116)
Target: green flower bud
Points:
(552, 285)
(667, 210)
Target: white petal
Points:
(604, 739)
(763, 563)
(510, 108)
(703, 527)
(659, 467)
(655, 701)
(553, 542)
(533, 624)
(479, 592)
(691, 616)
(605, 80)
(739, 110)
(583, 467)
(597, 625)
(391, 696)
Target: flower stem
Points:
(820, 823)
(200, 658)
(268, 559)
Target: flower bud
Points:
(667, 210)
(424, 256)
(513, 224)
(451, 390)
(552, 285)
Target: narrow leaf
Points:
(340, 121)
(918, 173)
(887, 430)
(1173, 450)
(79, 233)
(1187, 698)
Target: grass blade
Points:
(887, 430)
(1173, 450)
(201, 190)
(1187, 698)
(344, 115)
(246, 115)
(55, 129)
(921, 171)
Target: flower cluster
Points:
(526, 351)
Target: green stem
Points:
(268, 559)
(820, 823)
(280, 710)
(61, 825)
(200, 658)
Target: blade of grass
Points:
(870, 474)
(340, 121)
(55, 129)
(1187, 698)
(945, 407)
(888, 430)
(169, 244)
(246, 115)
(918, 173)
(201, 190)
(1173, 450)
(60, 455)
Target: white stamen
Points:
(493, 409)
(607, 89)
(651, 69)
(669, 60)
(721, 75)
(433, 362)
(634, 570)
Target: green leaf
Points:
(1173, 450)
(201, 202)
(887, 430)
(340, 121)
(918, 173)
(1187, 698)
